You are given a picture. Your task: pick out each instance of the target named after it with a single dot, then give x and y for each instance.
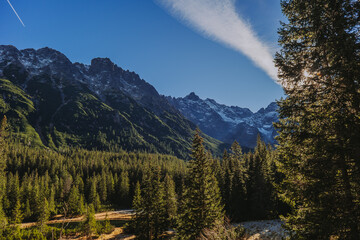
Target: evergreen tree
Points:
(92, 190)
(44, 214)
(102, 189)
(52, 200)
(158, 204)
(137, 206)
(3, 135)
(260, 201)
(3, 145)
(202, 207)
(236, 176)
(150, 208)
(124, 188)
(27, 212)
(170, 200)
(16, 213)
(89, 227)
(320, 117)
(74, 202)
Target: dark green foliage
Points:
(150, 207)
(135, 225)
(90, 226)
(75, 202)
(71, 115)
(18, 108)
(170, 200)
(234, 182)
(40, 183)
(201, 202)
(3, 146)
(246, 181)
(124, 188)
(106, 226)
(44, 214)
(319, 119)
(16, 214)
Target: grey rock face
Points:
(101, 76)
(229, 123)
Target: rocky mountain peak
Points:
(272, 107)
(192, 96)
(50, 54)
(228, 123)
(102, 64)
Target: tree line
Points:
(236, 188)
(37, 183)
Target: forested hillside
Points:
(59, 104)
(40, 183)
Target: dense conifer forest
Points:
(38, 183)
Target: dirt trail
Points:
(112, 215)
(117, 234)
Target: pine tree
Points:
(27, 212)
(89, 227)
(137, 206)
(52, 200)
(44, 214)
(260, 200)
(16, 213)
(158, 204)
(74, 202)
(201, 202)
(3, 133)
(320, 117)
(236, 175)
(150, 208)
(124, 188)
(137, 200)
(170, 200)
(102, 187)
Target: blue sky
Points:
(160, 44)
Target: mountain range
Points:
(53, 102)
(229, 123)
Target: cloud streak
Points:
(16, 13)
(219, 21)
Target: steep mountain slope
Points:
(228, 123)
(93, 106)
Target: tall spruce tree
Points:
(201, 203)
(150, 207)
(137, 206)
(319, 154)
(236, 175)
(75, 203)
(124, 189)
(89, 226)
(3, 133)
(170, 200)
(44, 214)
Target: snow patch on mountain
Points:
(229, 123)
(101, 76)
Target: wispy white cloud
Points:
(218, 20)
(16, 13)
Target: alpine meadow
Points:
(90, 150)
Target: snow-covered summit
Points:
(101, 76)
(228, 123)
